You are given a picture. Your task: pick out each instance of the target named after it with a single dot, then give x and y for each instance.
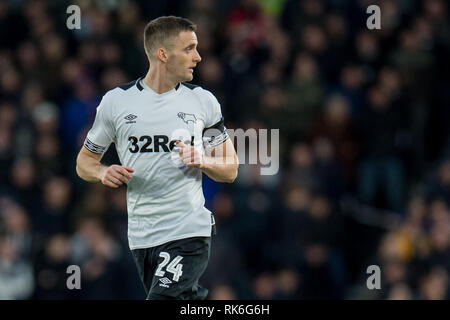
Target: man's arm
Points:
(90, 169)
(220, 163)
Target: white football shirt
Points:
(165, 199)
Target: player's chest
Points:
(157, 126)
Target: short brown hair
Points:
(159, 30)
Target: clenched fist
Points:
(114, 176)
(190, 156)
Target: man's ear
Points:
(161, 54)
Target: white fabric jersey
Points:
(164, 198)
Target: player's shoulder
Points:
(117, 96)
(125, 89)
(191, 86)
(203, 94)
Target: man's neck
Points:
(158, 80)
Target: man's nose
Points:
(197, 57)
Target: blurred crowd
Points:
(364, 119)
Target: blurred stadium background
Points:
(364, 119)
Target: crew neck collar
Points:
(142, 86)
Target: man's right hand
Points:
(114, 176)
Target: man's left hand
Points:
(190, 156)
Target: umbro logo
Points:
(130, 118)
(165, 282)
(186, 117)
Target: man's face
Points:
(183, 57)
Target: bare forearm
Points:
(220, 169)
(89, 169)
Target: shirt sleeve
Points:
(101, 135)
(215, 132)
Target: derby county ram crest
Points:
(187, 117)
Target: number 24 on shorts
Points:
(174, 267)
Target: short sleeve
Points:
(215, 131)
(213, 110)
(101, 135)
